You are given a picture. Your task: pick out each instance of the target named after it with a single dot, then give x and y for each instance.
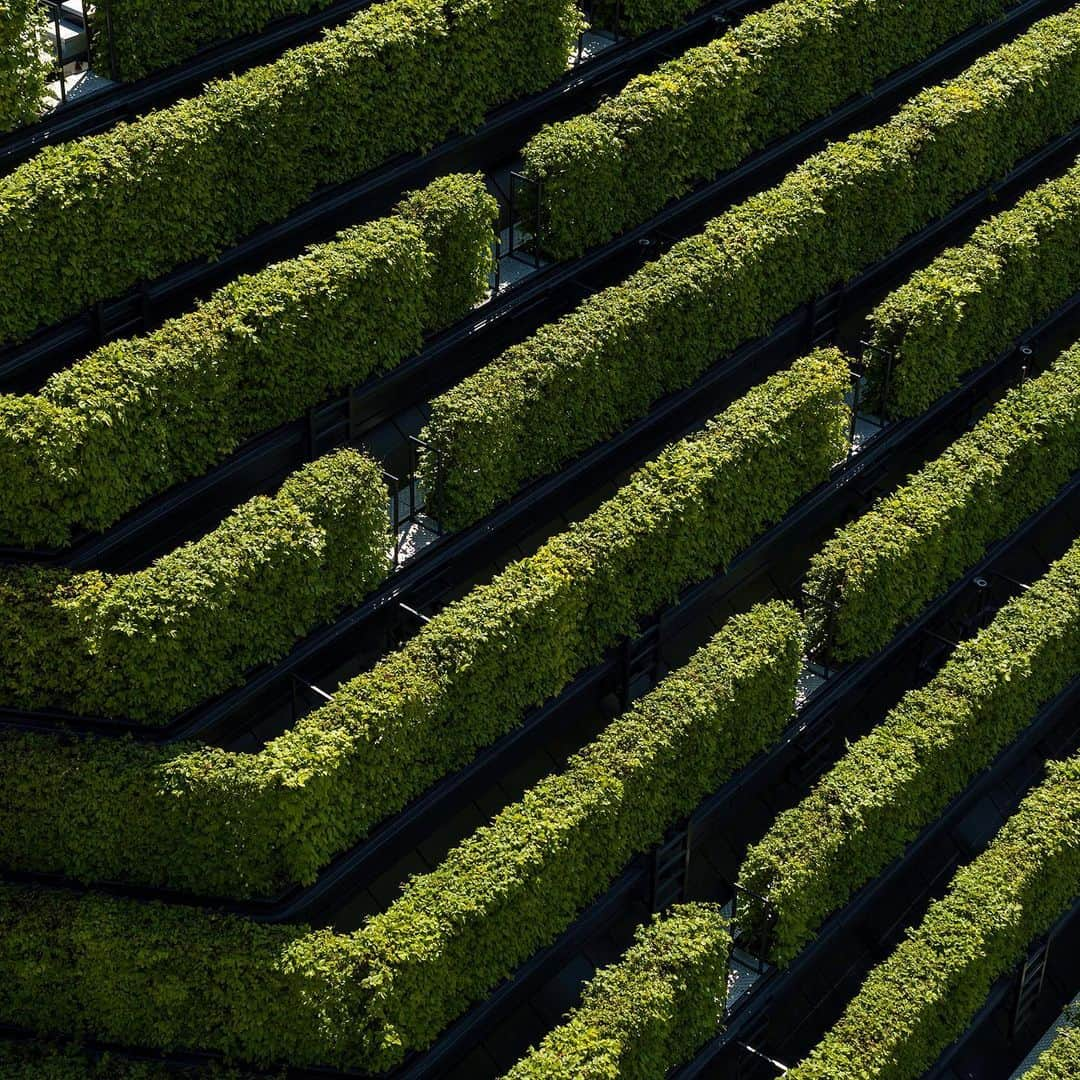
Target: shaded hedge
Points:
(217, 822)
(640, 16)
(161, 976)
(702, 113)
(651, 1011)
(894, 781)
(514, 885)
(86, 220)
(972, 301)
(913, 1005)
(1061, 1059)
(147, 36)
(23, 37)
(580, 380)
(368, 998)
(139, 415)
(880, 571)
(149, 644)
(43, 1060)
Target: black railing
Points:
(67, 25)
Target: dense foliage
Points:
(40, 1059)
(22, 70)
(913, 1005)
(649, 1012)
(515, 884)
(972, 301)
(149, 644)
(897, 779)
(90, 964)
(139, 415)
(879, 571)
(237, 818)
(1061, 1059)
(585, 377)
(145, 36)
(234, 823)
(702, 113)
(640, 16)
(366, 999)
(86, 220)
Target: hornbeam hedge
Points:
(148, 645)
(22, 71)
(972, 301)
(454, 933)
(913, 1005)
(85, 220)
(879, 572)
(705, 111)
(139, 415)
(514, 885)
(651, 1011)
(1061, 1059)
(144, 36)
(897, 779)
(242, 824)
(585, 377)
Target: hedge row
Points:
(41, 1060)
(513, 886)
(178, 977)
(143, 36)
(705, 111)
(241, 824)
(634, 17)
(649, 1012)
(585, 377)
(972, 301)
(510, 888)
(170, 977)
(142, 414)
(894, 781)
(86, 220)
(23, 39)
(879, 572)
(1061, 1059)
(150, 644)
(913, 1005)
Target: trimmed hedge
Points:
(894, 781)
(649, 1012)
(702, 113)
(241, 824)
(579, 380)
(1061, 1059)
(171, 977)
(37, 1060)
(86, 220)
(142, 414)
(878, 572)
(510, 888)
(23, 37)
(634, 17)
(148, 645)
(972, 301)
(913, 1005)
(147, 36)
(515, 885)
